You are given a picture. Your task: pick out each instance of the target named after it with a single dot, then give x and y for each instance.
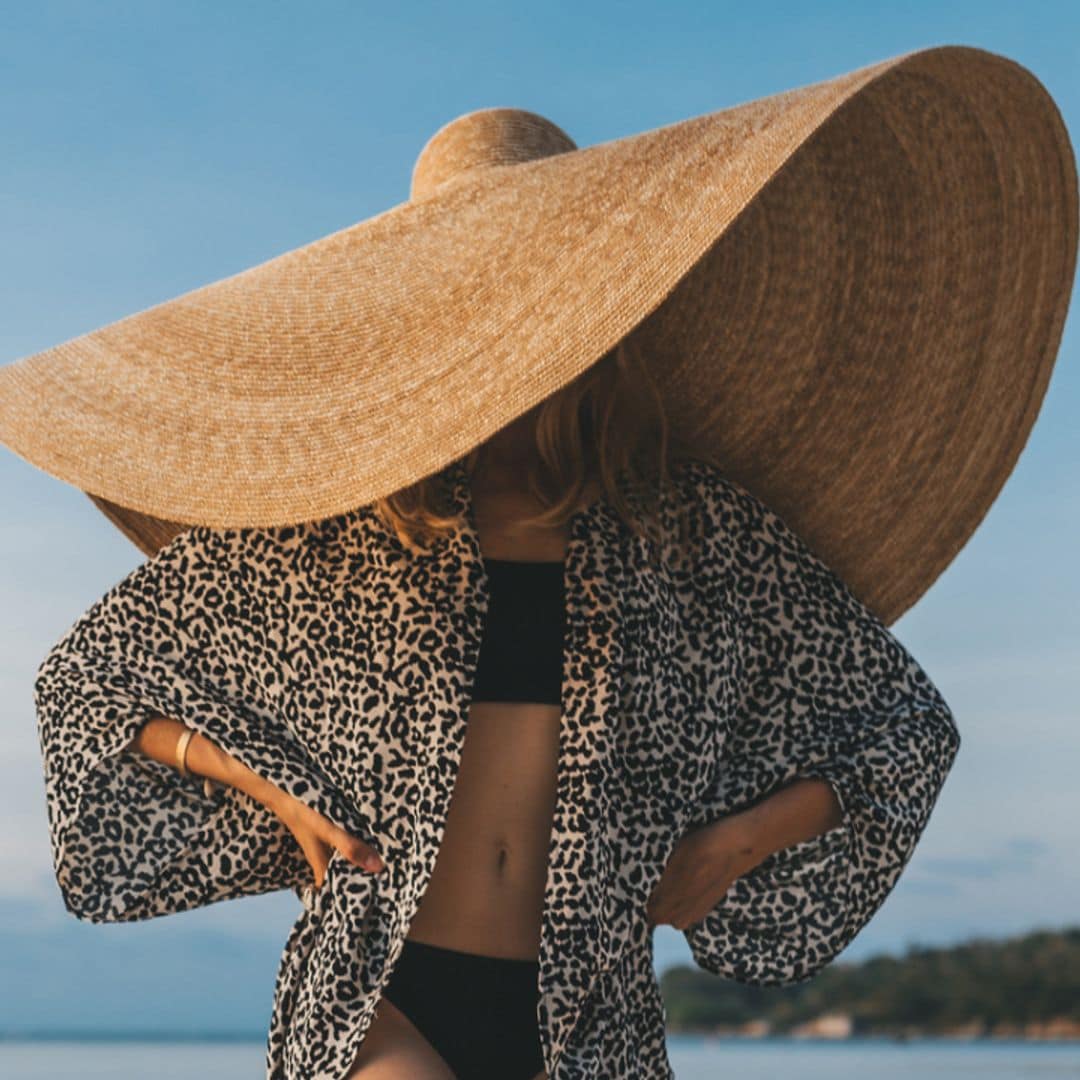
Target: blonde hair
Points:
(607, 423)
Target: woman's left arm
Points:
(708, 860)
(821, 691)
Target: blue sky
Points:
(150, 148)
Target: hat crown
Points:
(485, 137)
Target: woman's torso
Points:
(486, 891)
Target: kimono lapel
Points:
(621, 621)
(577, 944)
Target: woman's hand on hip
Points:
(699, 872)
(319, 838)
(706, 861)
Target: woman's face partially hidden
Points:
(512, 449)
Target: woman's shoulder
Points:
(706, 479)
(200, 549)
(719, 504)
(729, 507)
(203, 551)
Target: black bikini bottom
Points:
(478, 1012)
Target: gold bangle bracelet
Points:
(209, 786)
(181, 752)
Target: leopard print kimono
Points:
(335, 664)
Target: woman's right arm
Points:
(189, 636)
(317, 836)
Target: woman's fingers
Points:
(317, 854)
(319, 837)
(356, 851)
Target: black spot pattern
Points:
(338, 666)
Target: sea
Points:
(692, 1057)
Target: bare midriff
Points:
(486, 891)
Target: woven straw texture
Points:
(851, 293)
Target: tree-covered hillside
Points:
(980, 987)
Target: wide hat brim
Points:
(851, 294)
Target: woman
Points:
(720, 734)
(477, 930)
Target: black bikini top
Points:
(522, 646)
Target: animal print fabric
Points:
(335, 664)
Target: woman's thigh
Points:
(394, 1049)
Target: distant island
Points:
(1020, 988)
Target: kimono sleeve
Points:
(823, 689)
(185, 635)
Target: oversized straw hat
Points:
(851, 294)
